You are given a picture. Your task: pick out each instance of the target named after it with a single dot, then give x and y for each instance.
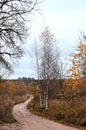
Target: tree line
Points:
(13, 32)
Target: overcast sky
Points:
(65, 18)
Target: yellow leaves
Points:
(78, 61)
(72, 84)
(68, 71)
(74, 72)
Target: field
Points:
(65, 110)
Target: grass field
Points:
(67, 111)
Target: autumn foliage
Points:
(10, 94)
(76, 81)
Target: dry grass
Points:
(72, 112)
(6, 108)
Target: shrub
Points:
(63, 110)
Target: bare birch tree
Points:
(49, 67)
(38, 74)
(13, 30)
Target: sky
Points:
(65, 19)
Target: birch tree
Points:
(38, 73)
(49, 64)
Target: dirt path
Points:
(29, 121)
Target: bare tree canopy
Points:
(50, 56)
(48, 64)
(13, 30)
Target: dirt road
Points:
(29, 121)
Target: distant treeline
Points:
(59, 87)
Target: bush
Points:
(63, 110)
(59, 116)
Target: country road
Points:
(29, 121)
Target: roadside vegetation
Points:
(11, 93)
(59, 98)
(66, 110)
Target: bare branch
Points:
(13, 30)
